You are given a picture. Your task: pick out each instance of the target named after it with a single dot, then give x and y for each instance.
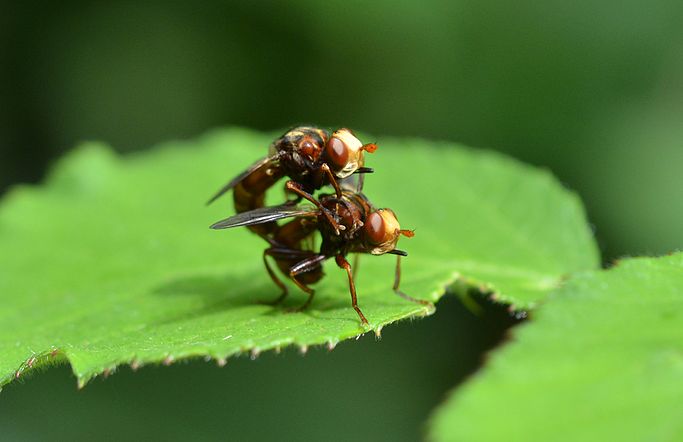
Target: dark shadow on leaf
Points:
(211, 287)
(217, 293)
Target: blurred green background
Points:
(591, 90)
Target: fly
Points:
(365, 229)
(311, 158)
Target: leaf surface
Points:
(112, 260)
(601, 360)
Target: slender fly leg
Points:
(308, 264)
(344, 264)
(275, 279)
(283, 253)
(296, 188)
(397, 283)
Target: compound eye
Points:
(374, 228)
(338, 153)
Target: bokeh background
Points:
(591, 90)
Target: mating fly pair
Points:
(346, 220)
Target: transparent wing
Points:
(260, 163)
(264, 215)
(353, 183)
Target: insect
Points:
(366, 230)
(311, 158)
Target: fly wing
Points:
(265, 215)
(260, 163)
(353, 183)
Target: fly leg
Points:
(361, 171)
(332, 179)
(296, 188)
(275, 279)
(397, 282)
(304, 266)
(292, 198)
(344, 264)
(281, 253)
(354, 267)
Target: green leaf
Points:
(601, 360)
(112, 261)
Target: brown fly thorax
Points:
(350, 211)
(300, 154)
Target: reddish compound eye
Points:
(337, 152)
(374, 228)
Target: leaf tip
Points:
(520, 314)
(429, 309)
(135, 365)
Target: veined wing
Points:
(260, 163)
(265, 215)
